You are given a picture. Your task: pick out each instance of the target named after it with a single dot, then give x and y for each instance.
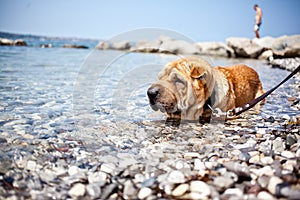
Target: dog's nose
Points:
(153, 93)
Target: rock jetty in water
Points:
(263, 48)
(8, 42)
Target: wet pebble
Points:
(129, 190)
(273, 182)
(265, 195)
(266, 160)
(144, 193)
(180, 190)
(97, 177)
(237, 168)
(77, 190)
(244, 157)
(278, 146)
(176, 177)
(31, 165)
(200, 187)
(223, 182)
(238, 193)
(108, 168)
(93, 190)
(288, 154)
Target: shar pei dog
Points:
(189, 88)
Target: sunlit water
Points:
(67, 90)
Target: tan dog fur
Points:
(185, 85)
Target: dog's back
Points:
(245, 83)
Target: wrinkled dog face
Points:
(181, 89)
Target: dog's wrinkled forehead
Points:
(189, 68)
(182, 66)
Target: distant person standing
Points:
(258, 17)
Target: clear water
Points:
(43, 91)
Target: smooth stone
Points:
(31, 165)
(191, 155)
(235, 152)
(129, 190)
(270, 119)
(263, 181)
(180, 190)
(253, 153)
(290, 140)
(200, 187)
(108, 168)
(139, 178)
(267, 160)
(233, 192)
(254, 159)
(287, 191)
(144, 193)
(176, 177)
(199, 165)
(286, 117)
(289, 165)
(244, 157)
(261, 131)
(77, 190)
(148, 182)
(73, 170)
(237, 168)
(223, 182)
(194, 196)
(263, 195)
(93, 190)
(278, 146)
(273, 182)
(107, 190)
(266, 170)
(288, 154)
(179, 165)
(97, 177)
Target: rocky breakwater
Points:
(264, 48)
(8, 42)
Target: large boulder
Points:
(147, 46)
(74, 46)
(265, 42)
(287, 46)
(215, 49)
(6, 42)
(20, 42)
(244, 47)
(123, 45)
(103, 45)
(286, 63)
(9, 42)
(179, 47)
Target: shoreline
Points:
(235, 47)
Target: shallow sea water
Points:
(99, 97)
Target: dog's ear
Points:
(198, 73)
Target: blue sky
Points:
(200, 20)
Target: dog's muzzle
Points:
(153, 94)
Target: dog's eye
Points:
(179, 83)
(177, 80)
(201, 77)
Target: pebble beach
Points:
(50, 150)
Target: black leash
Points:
(253, 102)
